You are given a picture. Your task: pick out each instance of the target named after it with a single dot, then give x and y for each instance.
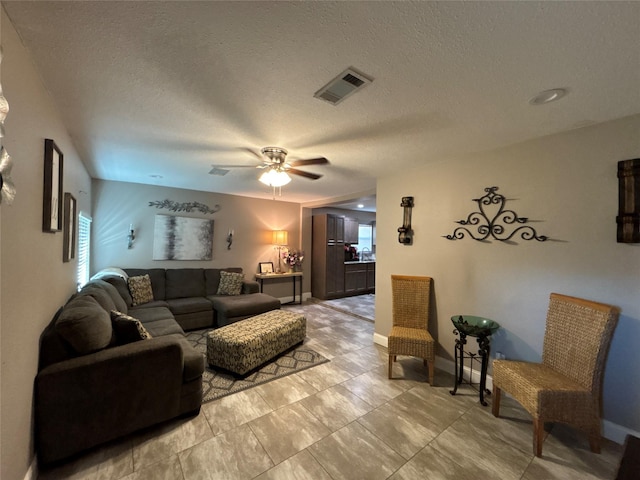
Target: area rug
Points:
(217, 383)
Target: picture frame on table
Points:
(52, 192)
(69, 232)
(265, 267)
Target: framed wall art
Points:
(69, 229)
(266, 267)
(182, 238)
(52, 196)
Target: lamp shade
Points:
(275, 178)
(280, 237)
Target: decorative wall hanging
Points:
(7, 188)
(405, 235)
(52, 198)
(628, 218)
(184, 207)
(494, 226)
(69, 232)
(131, 236)
(229, 239)
(182, 238)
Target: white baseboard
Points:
(32, 473)
(617, 433)
(611, 431)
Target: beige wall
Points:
(118, 204)
(35, 282)
(566, 184)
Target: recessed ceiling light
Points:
(360, 205)
(548, 96)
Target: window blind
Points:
(84, 242)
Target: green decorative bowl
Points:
(474, 326)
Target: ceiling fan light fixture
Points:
(275, 178)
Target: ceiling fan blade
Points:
(236, 166)
(312, 176)
(309, 161)
(253, 152)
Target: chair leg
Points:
(495, 403)
(594, 442)
(538, 436)
(391, 359)
(431, 371)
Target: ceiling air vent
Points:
(342, 86)
(220, 172)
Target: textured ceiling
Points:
(170, 88)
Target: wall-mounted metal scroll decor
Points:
(405, 234)
(496, 226)
(184, 207)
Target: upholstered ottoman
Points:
(244, 345)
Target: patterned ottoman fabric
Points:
(247, 344)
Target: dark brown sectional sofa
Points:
(93, 387)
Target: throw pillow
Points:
(140, 288)
(230, 283)
(84, 325)
(128, 329)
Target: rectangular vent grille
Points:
(220, 172)
(344, 85)
(353, 80)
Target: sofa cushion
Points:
(140, 288)
(184, 282)
(127, 329)
(157, 276)
(154, 304)
(119, 302)
(121, 286)
(151, 314)
(160, 328)
(85, 325)
(243, 305)
(212, 278)
(180, 306)
(230, 283)
(99, 295)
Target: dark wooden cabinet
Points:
(331, 277)
(359, 278)
(327, 279)
(351, 231)
(355, 278)
(371, 277)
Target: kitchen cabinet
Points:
(359, 278)
(351, 231)
(327, 267)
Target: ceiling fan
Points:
(278, 169)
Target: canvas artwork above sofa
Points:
(115, 359)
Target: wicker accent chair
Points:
(409, 334)
(567, 386)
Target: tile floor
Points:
(346, 420)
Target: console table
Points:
(273, 276)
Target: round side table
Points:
(481, 328)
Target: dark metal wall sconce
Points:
(494, 227)
(628, 218)
(405, 234)
(131, 237)
(229, 239)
